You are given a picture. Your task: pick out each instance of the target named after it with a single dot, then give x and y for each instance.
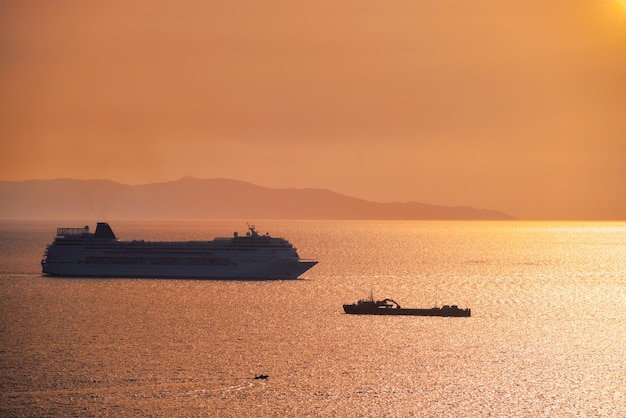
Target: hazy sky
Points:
(517, 105)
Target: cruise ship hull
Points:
(279, 270)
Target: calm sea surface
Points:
(546, 338)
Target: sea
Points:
(546, 338)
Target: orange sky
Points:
(516, 105)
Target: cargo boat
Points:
(77, 252)
(391, 307)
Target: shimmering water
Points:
(546, 336)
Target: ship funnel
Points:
(104, 231)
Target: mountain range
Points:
(193, 198)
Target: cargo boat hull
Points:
(443, 311)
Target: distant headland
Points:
(193, 198)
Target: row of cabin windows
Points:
(158, 261)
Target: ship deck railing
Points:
(63, 232)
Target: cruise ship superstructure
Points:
(77, 252)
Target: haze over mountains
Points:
(192, 198)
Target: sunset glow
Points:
(620, 6)
(515, 106)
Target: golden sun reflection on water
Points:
(545, 338)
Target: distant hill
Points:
(191, 198)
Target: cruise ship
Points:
(77, 252)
